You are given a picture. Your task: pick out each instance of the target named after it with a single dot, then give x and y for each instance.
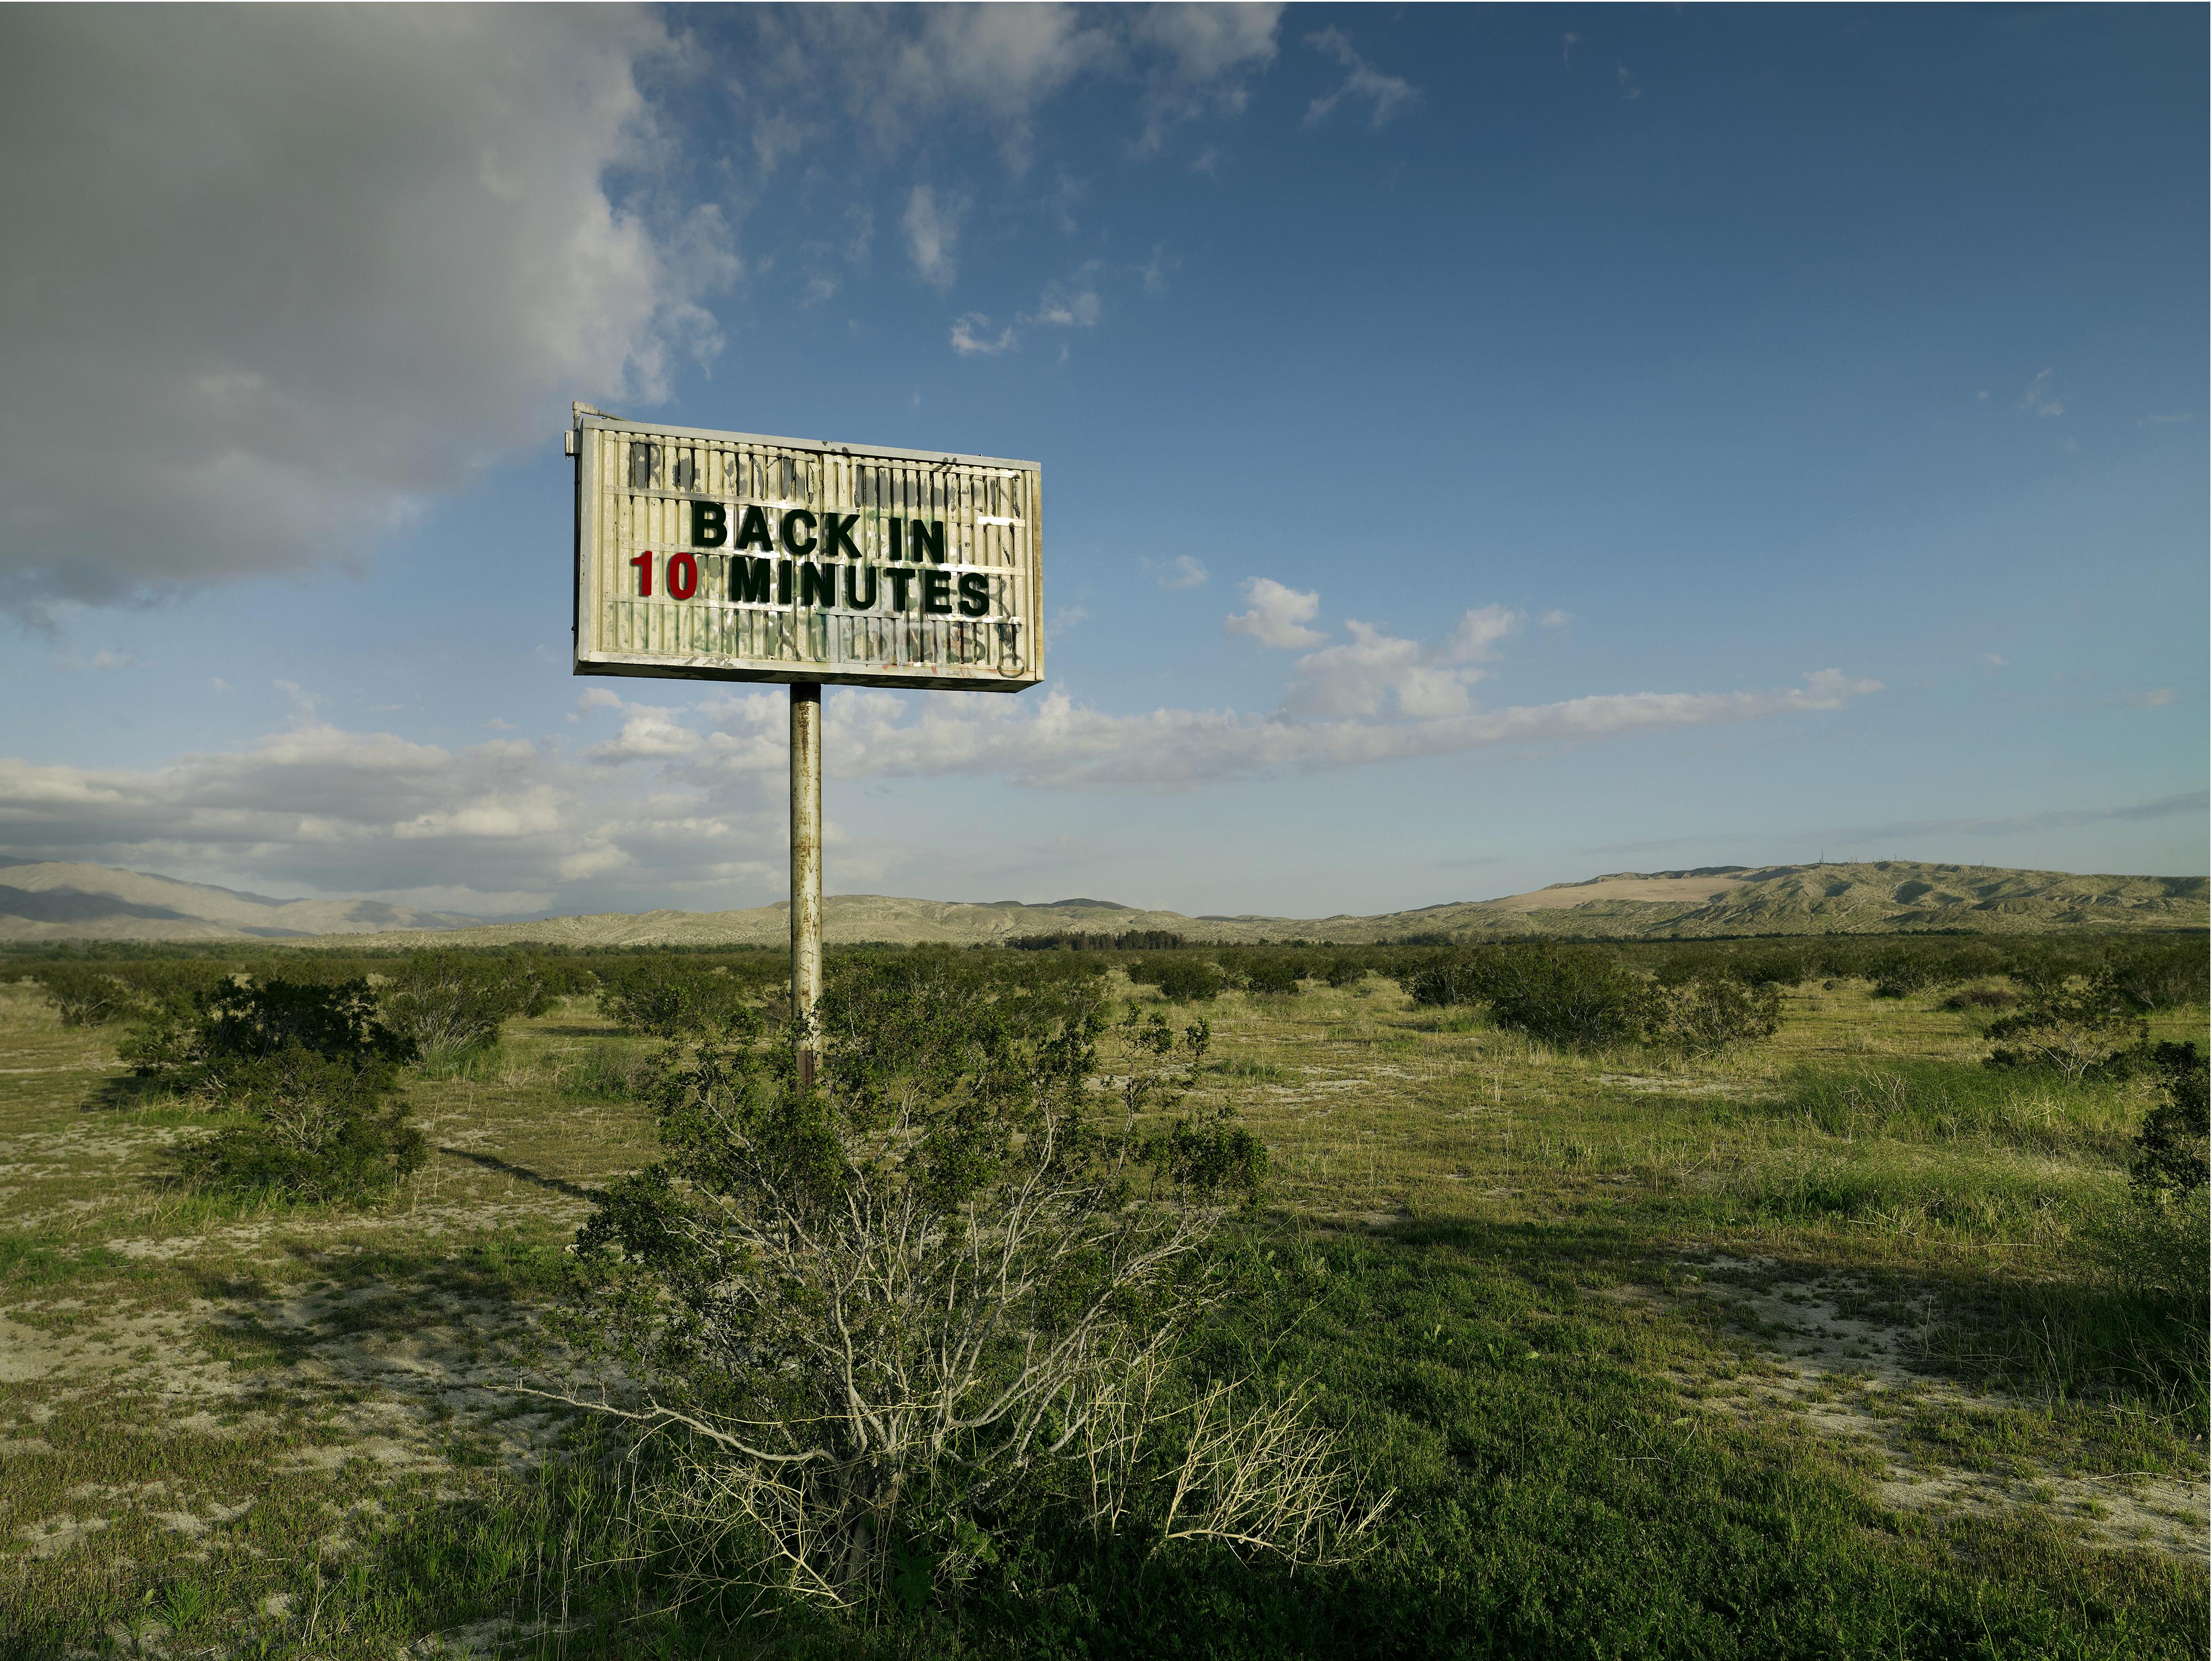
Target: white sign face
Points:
(734, 557)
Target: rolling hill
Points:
(57, 901)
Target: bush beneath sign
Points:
(884, 1323)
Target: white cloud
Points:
(2157, 699)
(1073, 304)
(1479, 631)
(304, 703)
(901, 76)
(933, 234)
(1055, 744)
(1208, 56)
(1278, 615)
(900, 73)
(1184, 571)
(690, 803)
(1993, 660)
(971, 336)
(1556, 619)
(2040, 399)
(1630, 92)
(649, 733)
(1385, 94)
(862, 235)
(306, 269)
(1374, 671)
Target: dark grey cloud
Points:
(274, 276)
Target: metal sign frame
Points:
(950, 548)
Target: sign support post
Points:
(737, 556)
(806, 869)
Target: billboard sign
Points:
(732, 556)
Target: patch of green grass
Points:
(484, 1065)
(32, 1260)
(1909, 1099)
(1252, 1072)
(2020, 1442)
(612, 1070)
(1903, 1194)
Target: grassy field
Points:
(1820, 1350)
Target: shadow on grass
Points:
(386, 1293)
(1553, 1498)
(520, 1173)
(130, 1094)
(1971, 1319)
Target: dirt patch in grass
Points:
(1939, 1447)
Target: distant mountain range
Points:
(56, 901)
(52, 901)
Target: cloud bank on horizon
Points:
(700, 789)
(296, 299)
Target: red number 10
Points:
(683, 575)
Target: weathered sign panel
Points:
(732, 556)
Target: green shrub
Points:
(2156, 1246)
(1440, 986)
(448, 1004)
(164, 1040)
(1587, 998)
(317, 1128)
(1707, 1017)
(2165, 975)
(671, 998)
(338, 1019)
(1583, 1000)
(1344, 972)
(1181, 979)
(309, 1068)
(1983, 997)
(1276, 977)
(2170, 1150)
(85, 995)
(2078, 1031)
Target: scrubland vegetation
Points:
(1839, 1296)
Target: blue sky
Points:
(1482, 448)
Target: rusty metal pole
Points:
(806, 868)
